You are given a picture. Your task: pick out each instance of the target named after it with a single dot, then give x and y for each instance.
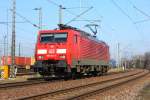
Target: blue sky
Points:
(115, 26)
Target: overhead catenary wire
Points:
(20, 30)
(122, 10)
(132, 21)
(70, 12)
(54, 3)
(25, 40)
(77, 8)
(107, 24)
(82, 19)
(24, 18)
(66, 9)
(140, 21)
(11, 22)
(89, 20)
(141, 11)
(79, 15)
(17, 22)
(143, 14)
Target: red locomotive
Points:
(70, 51)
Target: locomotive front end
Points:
(51, 53)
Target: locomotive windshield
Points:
(53, 37)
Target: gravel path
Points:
(129, 91)
(145, 93)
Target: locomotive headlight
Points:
(60, 51)
(62, 56)
(41, 57)
(42, 51)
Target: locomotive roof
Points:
(63, 27)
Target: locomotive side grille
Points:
(92, 50)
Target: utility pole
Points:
(125, 65)
(40, 17)
(140, 65)
(19, 54)
(13, 44)
(61, 14)
(7, 38)
(5, 49)
(118, 49)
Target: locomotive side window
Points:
(53, 37)
(75, 39)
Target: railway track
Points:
(21, 84)
(22, 74)
(32, 81)
(84, 90)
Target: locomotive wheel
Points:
(67, 76)
(74, 73)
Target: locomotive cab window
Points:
(53, 37)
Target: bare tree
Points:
(147, 60)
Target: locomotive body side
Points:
(92, 55)
(91, 52)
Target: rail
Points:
(21, 84)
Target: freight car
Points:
(68, 51)
(20, 62)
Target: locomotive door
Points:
(76, 47)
